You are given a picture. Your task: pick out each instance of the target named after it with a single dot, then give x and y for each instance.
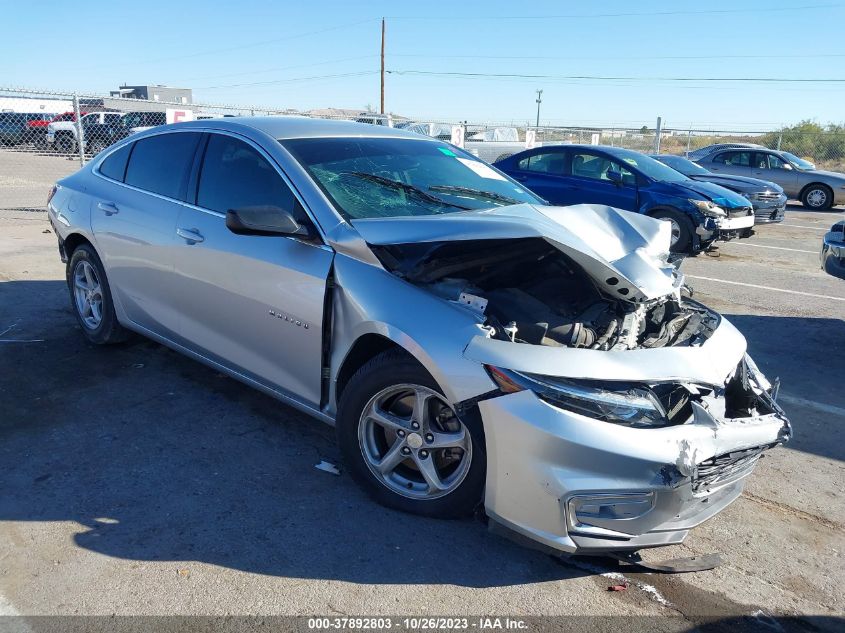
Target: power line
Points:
(292, 80)
(616, 57)
(180, 56)
(603, 78)
(276, 68)
(627, 14)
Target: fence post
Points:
(657, 135)
(80, 140)
(689, 139)
(780, 139)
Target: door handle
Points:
(110, 208)
(521, 178)
(192, 236)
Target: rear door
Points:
(589, 182)
(543, 172)
(736, 162)
(135, 203)
(253, 303)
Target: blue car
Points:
(700, 212)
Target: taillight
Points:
(52, 193)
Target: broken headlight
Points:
(709, 208)
(630, 405)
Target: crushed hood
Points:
(625, 253)
(720, 195)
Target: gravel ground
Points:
(136, 481)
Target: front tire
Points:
(817, 197)
(91, 299)
(681, 229)
(405, 445)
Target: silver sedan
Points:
(470, 344)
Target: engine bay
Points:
(527, 291)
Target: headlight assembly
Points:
(708, 208)
(632, 405)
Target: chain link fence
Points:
(46, 135)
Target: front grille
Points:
(739, 212)
(724, 468)
(767, 196)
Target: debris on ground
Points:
(620, 587)
(328, 467)
(184, 572)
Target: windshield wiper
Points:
(477, 193)
(398, 184)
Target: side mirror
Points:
(787, 166)
(615, 177)
(266, 220)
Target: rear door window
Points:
(551, 163)
(161, 163)
(235, 175)
(737, 159)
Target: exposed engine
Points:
(527, 291)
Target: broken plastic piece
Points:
(328, 467)
(620, 587)
(671, 566)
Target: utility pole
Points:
(539, 101)
(382, 66)
(657, 131)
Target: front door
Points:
(590, 183)
(773, 168)
(253, 303)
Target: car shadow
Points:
(158, 458)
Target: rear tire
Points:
(681, 229)
(817, 197)
(400, 465)
(91, 299)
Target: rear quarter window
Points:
(114, 165)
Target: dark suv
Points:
(15, 128)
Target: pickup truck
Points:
(63, 135)
(100, 135)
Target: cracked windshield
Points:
(386, 177)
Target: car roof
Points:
(288, 127)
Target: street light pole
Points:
(539, 101)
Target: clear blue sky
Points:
(285, 50)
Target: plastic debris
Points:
(620, 587)
(328, 467)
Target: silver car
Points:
(816, 189)
(469, 343)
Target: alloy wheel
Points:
(676, 231)
(817, 198)
(413, 442)
(88, 295)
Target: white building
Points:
(35, 104)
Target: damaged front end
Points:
(625, 413)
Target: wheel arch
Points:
(364, 349)
(814, 184)
(71, 242)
